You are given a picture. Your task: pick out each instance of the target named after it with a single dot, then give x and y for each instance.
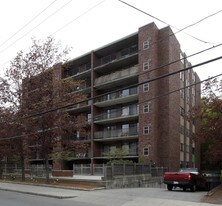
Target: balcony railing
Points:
(132, 71)
(77, 70)
(117, 113)
(119, 133)
(119, 55)
(117, 95)
(80, 105)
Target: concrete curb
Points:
(54, 186)
(211, 192)
(38, 194)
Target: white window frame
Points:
(182, 75)
(146, 87)
(146, 130)
(146, 108)
(146, 44)
(146, 65)
(146, 151)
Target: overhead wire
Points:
(87, 11)
(35, 17)
(151, 44)
(35, 26)
(157, 68)
(133, 85)
(178, 30)
(58, 30)
(148, 100)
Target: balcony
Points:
(122, 77)
(117, 115)
(126, 56)
(120, 97)
(81, 71)
(113, 135)
(81, 107)
(83, 137)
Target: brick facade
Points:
(128, 115)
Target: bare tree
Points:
(210, 116)
(33, 89)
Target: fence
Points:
(133, 169)
(85, 169)
(33, 171)
(109, 171)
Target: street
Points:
(113, 197)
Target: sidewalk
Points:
(39, 190)
(214, 196)
(114, 197)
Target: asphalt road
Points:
(114, 197)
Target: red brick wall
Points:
(148, 32)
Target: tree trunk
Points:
(47, 168)
(1, 171)
(23, 167)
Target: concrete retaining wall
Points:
(132, 181)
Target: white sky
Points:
(108, 22)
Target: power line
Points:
(35, 27)
(179, 30)
(134, 85)
(28, 23)
(148, 100)
(87, 11)
(162, 66)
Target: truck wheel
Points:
(170, 187)
(184, 189)
(193, 188)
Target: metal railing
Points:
(116, 133)
(110, 171)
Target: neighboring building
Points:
(124, 111)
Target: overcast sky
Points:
(89, 24)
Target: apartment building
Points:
(130, 107)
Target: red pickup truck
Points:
(186, 178)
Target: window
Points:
(89, 117)
(182, 111)
(146, 65)
(146, 87)
(133, 109)
(181, 164)
(193, 91)
(125, 111)
(133, 148)
(133, 90)
(193, 77)
(125, 130)
(146, 151)
(181, 57)
(125, 92)
(146, 108)
(188, 132)
(125, 147)
(181, 147)
(146, 129)
(187, 148)
(146, 44)
(182, 76)
(182, 129)
(182, 94)
(188, 100)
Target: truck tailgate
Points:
(175, 176)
